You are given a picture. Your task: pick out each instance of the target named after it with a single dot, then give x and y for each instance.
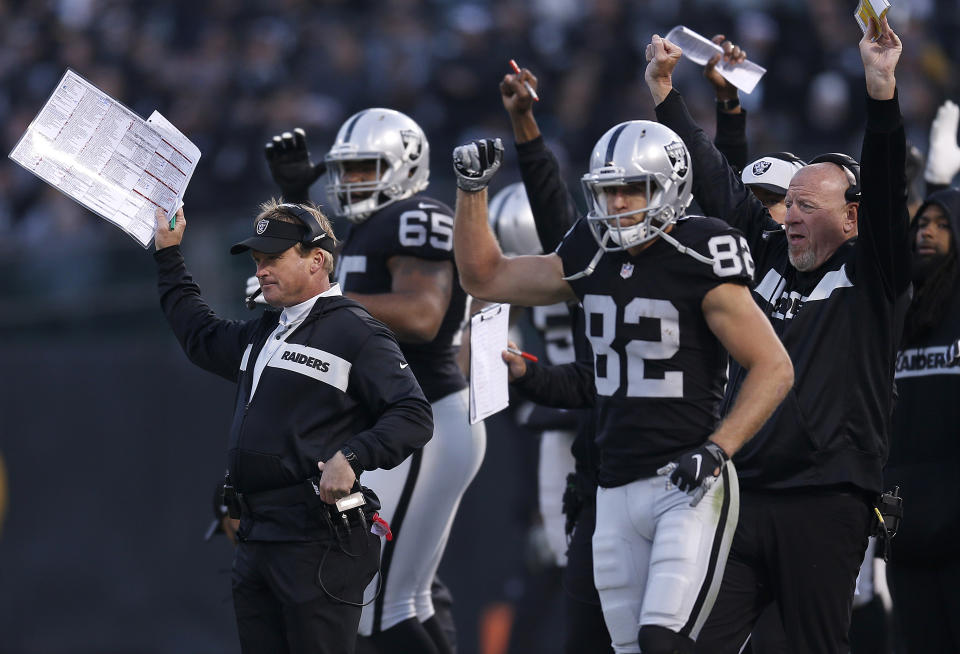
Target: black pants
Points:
(279, 602)
(926, 603)
(585, 629)
(802, 550)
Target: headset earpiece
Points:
(315, 235)
(850, 167)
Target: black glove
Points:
(693, 471)
(476, 163)
(291, 167)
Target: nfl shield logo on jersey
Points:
(262, 226)
(626, 270)
(761, 167)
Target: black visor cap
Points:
(271, 237)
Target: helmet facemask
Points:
(400, 151)
(609, 228)
(357, 200)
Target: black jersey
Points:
(659, 370)
(416, 227)
(555, 327)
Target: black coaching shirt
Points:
(840, 323)
(418, 227)
(659, 370)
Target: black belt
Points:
(305, 491)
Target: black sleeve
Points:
(211, 343)
(883, 244)
(554, 210)
(716, 187)
(731, 138)
(565, 386)
(382, 381)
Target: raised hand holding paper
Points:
(107, 158)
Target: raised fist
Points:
(696, 471)
(476, 163)
(290, 165)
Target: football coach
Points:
(323, 393)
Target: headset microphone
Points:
(253, 296)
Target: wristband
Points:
(728, 105)
(352, 459)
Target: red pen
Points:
(525, 355)
(533, 94)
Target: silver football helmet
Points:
(398, 148)
(634, 152)
(511, 219)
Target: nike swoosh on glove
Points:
(476, 163)
(693, 471)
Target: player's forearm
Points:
(660, 88)
(412, 317)
(554, 210)
(525, 127)
(764, 387)
(475, 248)
(881, 85)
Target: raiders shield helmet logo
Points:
(761, 167)
(262, 226)
(677, 153)
(412, 144)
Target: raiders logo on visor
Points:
(272, 237)
(761, 167)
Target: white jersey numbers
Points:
(730, 255)
(602, 320)
(416, 228)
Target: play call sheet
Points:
(100, 153)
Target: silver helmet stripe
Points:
(612, 145)
(352, 124)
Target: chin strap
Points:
(682, 249)
(586, 272)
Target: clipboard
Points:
(489, 391)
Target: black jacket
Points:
(841, 323)
(925, 443)
(340, 380)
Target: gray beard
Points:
(803, 260)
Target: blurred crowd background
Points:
(231, 74)
(78, 312)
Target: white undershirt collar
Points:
(290, 317)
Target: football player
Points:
(397, 260)
(664, 296)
